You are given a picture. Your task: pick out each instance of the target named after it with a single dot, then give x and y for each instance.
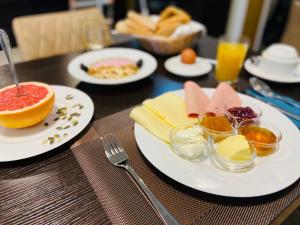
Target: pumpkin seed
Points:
(69, 97)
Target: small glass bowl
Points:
(186, 142)
(261, 148)
(215, 135)
(254, 107)
(232, 165)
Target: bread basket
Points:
(168, 45)
(165, 34)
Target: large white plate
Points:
(258, 72)
(149, 65)
(16, 144)
(270, 174)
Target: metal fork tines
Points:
(118, 157)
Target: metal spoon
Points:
(5, 44)
(265, 90)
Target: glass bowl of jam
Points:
(244, 112)
(189, 142)
(218, 127)
(234, 153)
(264, 136)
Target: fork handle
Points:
(163, 212)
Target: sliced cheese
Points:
(171, 108)
(153, 123)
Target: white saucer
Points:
(199, 68)
(285, 78)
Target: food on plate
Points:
(263, 136)
(166, 24)
(171, 108)
(152, 122)
(195, 99)
(189, 142)
(218, 126)
(219, 100)
(235, 147)
(242, 113)
(25, 105)
(197, 103)
(188, 56)
(216, 123)
(113, 68)
(161, 114)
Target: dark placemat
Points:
(124, 203)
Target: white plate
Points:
(16, 144)
(199, 68)
(149, 65)
(256, 71)
(270, 174)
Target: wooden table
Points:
(51, 188)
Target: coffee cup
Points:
(279, 60)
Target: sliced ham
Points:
(196, 100)
(224, 95)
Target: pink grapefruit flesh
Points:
(27, 106)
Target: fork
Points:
(118, 157)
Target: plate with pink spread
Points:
(112, 66)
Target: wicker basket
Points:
(168, 46)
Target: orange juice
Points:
(230, 58)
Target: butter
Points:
(235, 148)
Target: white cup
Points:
(280, 60)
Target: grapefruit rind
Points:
(31, 115)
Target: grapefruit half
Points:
(26, 106)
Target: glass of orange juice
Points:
(230, 58)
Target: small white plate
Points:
(258, 72)
(199, 68)
(270, 174)
(148, 67)
(16, 144)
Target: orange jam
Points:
(216, 123)
(219, 127)
(263, 139)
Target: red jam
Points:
(242, 113)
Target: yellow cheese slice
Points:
(235, 148)
(151, 122)
(171, 108)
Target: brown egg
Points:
(188, 56)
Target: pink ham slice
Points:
(196, 100)
(224, 95)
